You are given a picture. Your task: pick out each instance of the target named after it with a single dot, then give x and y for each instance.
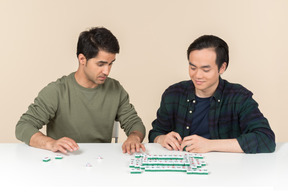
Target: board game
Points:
(189, 163)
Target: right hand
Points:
(63, 145)
(171, 141)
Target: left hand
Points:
(133, 144)
(196, 144)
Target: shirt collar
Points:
(219, 90)
(217, 95)
(191, 91)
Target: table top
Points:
(21, 165)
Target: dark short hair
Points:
(211, 41)
(95, 39)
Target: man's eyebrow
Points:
(204, 66)
(104, 62)
(192, 64)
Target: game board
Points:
(190, 163)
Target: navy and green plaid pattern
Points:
(233, 114)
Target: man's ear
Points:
(81, 59)
(223, 68)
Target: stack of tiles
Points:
(189, 163)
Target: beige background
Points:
(38, 45)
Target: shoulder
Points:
(235, 87)
(54, 87)
(178, 91)
(235, 91)
(180, 87)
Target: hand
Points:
(63, 145)
(171, 141)
(196, 144)
(133, 143)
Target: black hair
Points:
(211, 41)
(95, 39)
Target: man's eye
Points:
(206, 71)
(193, 68)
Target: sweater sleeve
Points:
(257, 136)
(38, 114)
(128, 117)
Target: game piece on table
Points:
(46, 159)
(197, 171)
(58, 156)
(138, 155)
(135, 171)
(88, 165)
(99, 157)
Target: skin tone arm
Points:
(133, 143)
(39, 140)
(64, 144)
(198, 144)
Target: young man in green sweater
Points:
(82, 107)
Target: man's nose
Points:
(198, 73)
(106, 70)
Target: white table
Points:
(22, 167)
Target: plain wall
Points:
(38, 45)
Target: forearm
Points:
(63, 144)
(158, 130)
(158, 139)
(138, 135)
(39, 140)
(225, 145)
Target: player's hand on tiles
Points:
(171, 141)
(133, 144)
(196, 144)
(63, 145)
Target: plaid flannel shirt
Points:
(233, 113)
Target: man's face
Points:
(204, 71)
(97, 69)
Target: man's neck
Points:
(82, 81)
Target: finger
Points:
(187, 141)
(190, 149)
(61, 149)
(138, 148)
(172, 144)
(132, 148)
(186, 148)
(66, 145)
(178, 137)
(73, 145)
(167, 146)
(57, 146)
(128, 148)
(142, 147)
(176, 143)
(124, 148)
(184, 144)
(189, 138)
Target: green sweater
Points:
(85, 115)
